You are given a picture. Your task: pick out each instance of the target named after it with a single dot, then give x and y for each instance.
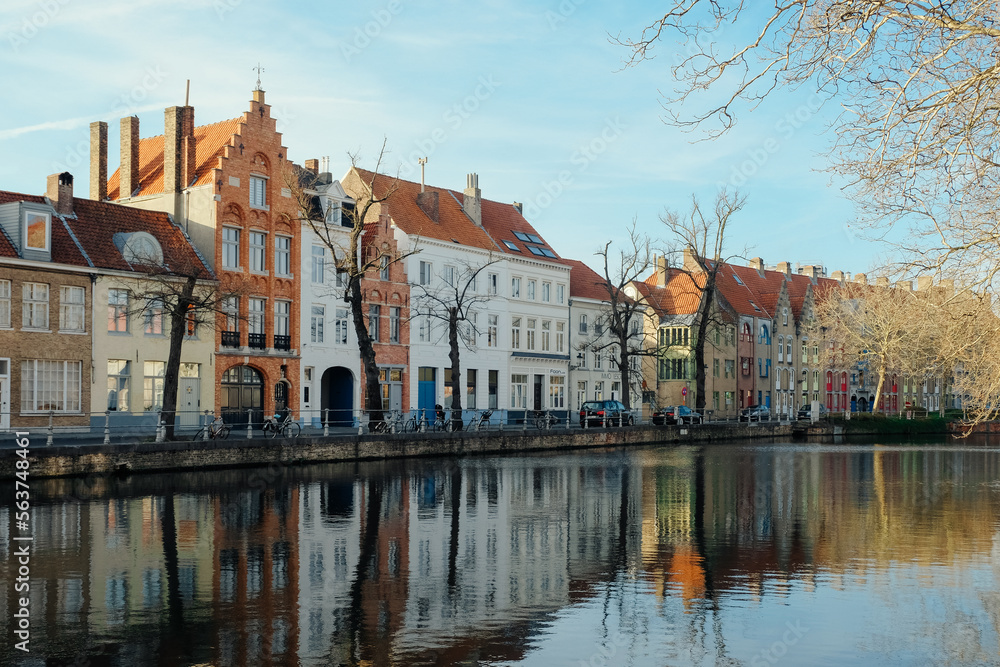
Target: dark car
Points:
(805, 412)
(755, 413)
(667, 416)
(604, 413)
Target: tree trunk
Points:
(878, 388)
(622, 362)
(171, 379)
(373, 392)
(456, 371)
(700, 333)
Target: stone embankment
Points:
(72, 460)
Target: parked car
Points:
(805, 412)
(755, 413)
(605, 413)
(666, 416)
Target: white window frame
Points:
(546, 292)
(426, 271)
(35, 306)
(153, 318)
(5, 301)
(258, 192)
(515, 287)
(231, 247)
(72, 309)
(317, 318)
(492, 330)
(340, 326)
(256, 315)
(63, 395)
(258, 251)
(283, 256)
(282, 317)
(318, 266)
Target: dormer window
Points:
(139, 248)
(37, 231)
(333, 214)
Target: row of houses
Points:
(224, 200)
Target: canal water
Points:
(766, 554)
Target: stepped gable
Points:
(210, 142)
(452, 226)
(64, 248)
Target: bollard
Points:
(326, 422)
(161, 429)
(361, 424)
(208, 425)
(48, 441)
(524, 422)
(107, 427)
(250, 424)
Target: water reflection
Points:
(716, 555)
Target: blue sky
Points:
(530, 95)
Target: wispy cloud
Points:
(65, 124)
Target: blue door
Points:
(427, 390)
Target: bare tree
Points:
(916, 80)
(354, 259)
(702, 240)
(622, 313)
(455, 301)
(187, 297)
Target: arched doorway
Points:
(242, 390)
(337, 396)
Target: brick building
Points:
(224, 184)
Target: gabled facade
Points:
(225, 185)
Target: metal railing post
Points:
(361, 422)
(48, 441)
(208, 422)
(107, 427)
(326, 422)
(249, 423)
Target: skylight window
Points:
(534, 239)
(521, 235)
(755, 306)
(529, 238)
(548, 253)
(737, 279)
(512, 246)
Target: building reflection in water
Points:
(676, 554)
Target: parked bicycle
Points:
(396, 423)
(215, 430)
(484, 420)
(443, 423)
(544, 419)
(277, 425)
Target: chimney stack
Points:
(757, 263)
(861, 278)
(59, 190)
(661, 270)
(838, 276)
(472, 201)
(172, 145)
(924, 282)
(785, 267)
(519, 207)
(881, 281)
(128, 174)
(188, 146)
(99, 160)
(312, 166)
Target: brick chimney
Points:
(881, 281)
(785, 267)
(838, 276)
(128, 174)
(472, 201)
(99, 160)
(905, 285)
(429, 204)
(173, 163)
(188, 146)
(758, 264)
(312, 166)
(520, 207)
(924, 282)
(691, 261)
(59, 190)
(861, 278)
(661, 270)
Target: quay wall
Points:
(80, 460)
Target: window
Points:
(494, 392)
(715, 400)
(805, 352)
(515, 288)
(395, 314)
(598, 360)
(583, 325)
(546, 292)
(715, 368)
(557, 392)
(154, 318)
(781, 348)
(560, 293)
(230, 248)
(515, 333)
(152, 385)
(730, 368)
(530, 333)
(518, 391)
(383, 268)
(546, 326)
(35, 306)
(339, 326)
(231, 307)
(5, 304)
(425, 273)
(449, 275)
(282, 311)
(316, 324)
(788, 350)
(531, 290)
(784, 316)
(424, 330)
(374, 315)
(492, 284)
(318, 264)
(470, 389)
(36, 231)
(492, 330)
(599, 391)
(470, 330)
(256, 319)
(341, 279)
(258, 252)
(582, 356)
(119, 378)
(729, 399)
(258, 192)
(765, 335)
(282, 256)
(581, 394)
(50, 385)
(815, 353)
(598, 327)
(560, 336)
(71, 308)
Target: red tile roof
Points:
(584, 282)
(86, 238)
(681, 294)
(210, 140)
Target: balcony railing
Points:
(282, 342)
(230, 339)
(256, 341)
